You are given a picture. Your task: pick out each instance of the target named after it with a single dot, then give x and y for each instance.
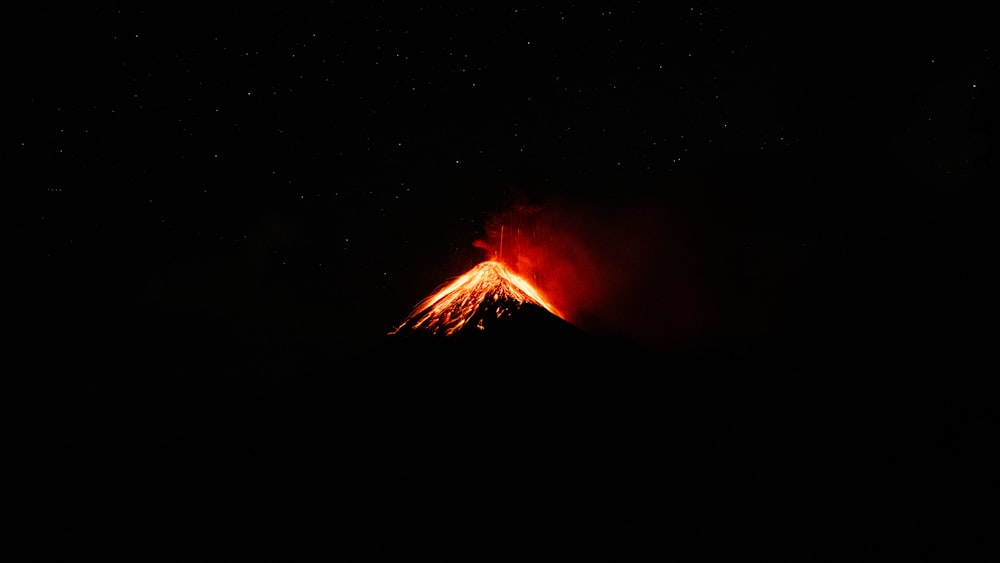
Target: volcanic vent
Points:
(490, 299)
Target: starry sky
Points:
(213, 199)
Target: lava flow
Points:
(490, 289)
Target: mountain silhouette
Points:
(525, 424)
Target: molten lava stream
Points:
(489, 286)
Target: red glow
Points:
(620, 270)
(608, 270)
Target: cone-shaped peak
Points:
(485, 294)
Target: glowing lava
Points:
(488, 290)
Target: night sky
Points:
(213, 200)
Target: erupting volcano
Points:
(487, 295)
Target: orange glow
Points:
(490, 287)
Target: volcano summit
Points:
(486, 297)
(491, 311)
(472, 296)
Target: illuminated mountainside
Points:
(487, 298)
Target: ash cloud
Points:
(622, 268)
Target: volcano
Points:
(490, 298)
(492, 312)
